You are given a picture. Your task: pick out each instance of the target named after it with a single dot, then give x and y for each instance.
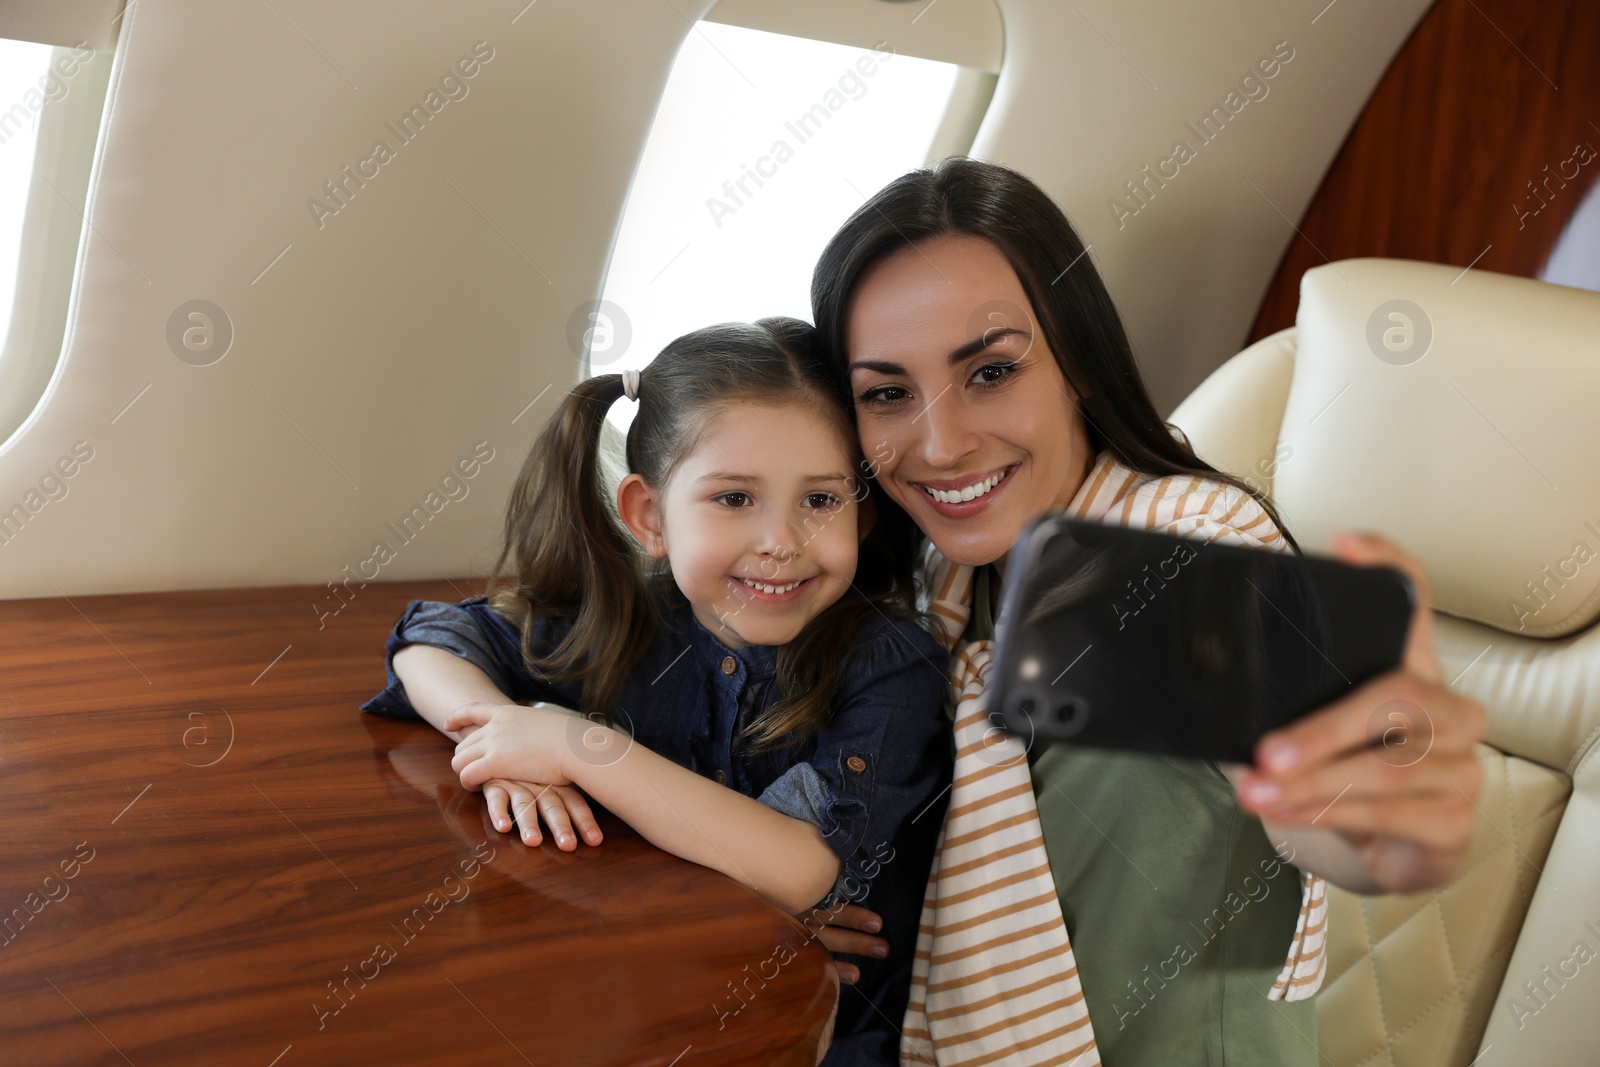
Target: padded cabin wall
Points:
(1091, 93)
(374, 348)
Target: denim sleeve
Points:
(472, 631)
(883, 758)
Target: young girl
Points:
(751, 699)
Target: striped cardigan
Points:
(994, 979)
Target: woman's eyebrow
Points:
(966, 351)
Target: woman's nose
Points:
(945, 435)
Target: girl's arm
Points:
(782, 858)
(438, 682)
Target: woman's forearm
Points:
(438, 682)
(782, 858)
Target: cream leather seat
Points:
(1455, 413)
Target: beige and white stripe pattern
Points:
(994, 979)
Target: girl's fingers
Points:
(554, 812)
(581, 814)
(495, 795)
(468, 715)
(849, 973)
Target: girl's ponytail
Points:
(569, 556)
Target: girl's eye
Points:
(822, 501)
(882, 396)
(734, 499)
(993, 374)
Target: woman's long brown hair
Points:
(566, 553)
(963, 196)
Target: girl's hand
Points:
(1390, 767)
(511, 741)
(847, 929)
(560, 806)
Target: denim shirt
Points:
(873, 780)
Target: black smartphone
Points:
(1128, 639)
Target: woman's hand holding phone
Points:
(1399, 786)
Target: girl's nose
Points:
(779, 542)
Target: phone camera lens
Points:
(1071, 717)
(1026, 707)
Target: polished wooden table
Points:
(208, 855)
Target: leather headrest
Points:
(1454, 411)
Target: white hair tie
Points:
(630, 384)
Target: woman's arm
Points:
(782, 858)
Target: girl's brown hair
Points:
(963, 196)
(565, 552)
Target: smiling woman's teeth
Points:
(971, 492)
(774, 589)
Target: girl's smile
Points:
(759, 522)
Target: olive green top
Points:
(1179, 910)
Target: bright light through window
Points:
(762, 146)
(22, 67)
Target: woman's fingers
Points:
(1369, 549)
(847, 928)
(854, 917)
(498, 800)
(852, 942)
(1393, 710)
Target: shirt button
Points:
(856, 763)
(729, 664)
(722, 776)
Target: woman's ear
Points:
(641, 514)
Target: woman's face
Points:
(959, 399)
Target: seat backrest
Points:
(1455, 412)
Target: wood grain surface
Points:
(1469, 152)
(208, 855)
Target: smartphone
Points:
(1127, 639)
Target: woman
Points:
(1090, 906)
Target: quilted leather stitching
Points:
(1507, 781)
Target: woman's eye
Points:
(734, 500)
(882, 395)
(992, 374)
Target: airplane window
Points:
(51, 102)
(762, 144)
(23, 66)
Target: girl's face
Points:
(960, 399)
(759, 522)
